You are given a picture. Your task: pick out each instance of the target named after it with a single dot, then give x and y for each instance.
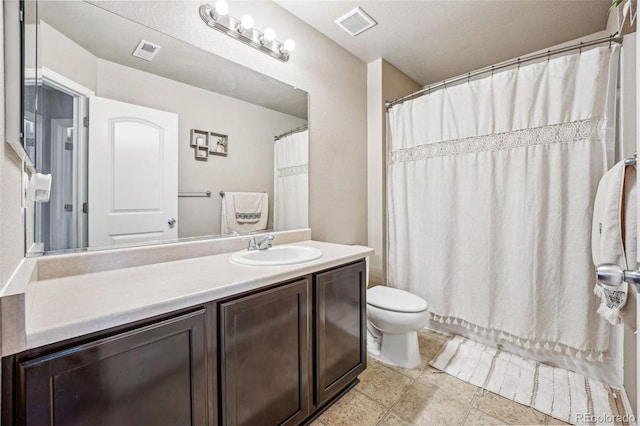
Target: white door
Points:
(133, 173)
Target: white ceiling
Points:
(432, 40)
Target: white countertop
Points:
(72, 306)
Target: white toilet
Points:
(394, 316)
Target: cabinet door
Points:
(341, 339)
(265, 354)
(154, 375)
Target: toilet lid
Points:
(394, 299)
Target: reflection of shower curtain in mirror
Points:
(291, 188)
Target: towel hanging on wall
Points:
(614, 240)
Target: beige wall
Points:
(64, 56)
(11, 229)
(335, 81)
(251, 128)
(384, 83)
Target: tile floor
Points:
(424, 396)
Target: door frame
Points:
(81, 95)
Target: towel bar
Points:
(195, 194)
(631, 161)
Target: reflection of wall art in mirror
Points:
(219, 144)
(200, 143)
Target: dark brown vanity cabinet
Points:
(265, 345)
(340, 329)
(286, 352)
(274, 356)
(153, 375)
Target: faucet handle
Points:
(252, 243)
(265, 242)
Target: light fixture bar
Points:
(233, 27)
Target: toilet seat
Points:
(395, 300)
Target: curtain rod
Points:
(519, 61)
(290, 132)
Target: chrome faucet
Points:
(263, 244)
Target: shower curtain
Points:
(291, 192)
(490, 195)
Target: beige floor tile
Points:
(392, 419)
(422, 405)
(508, 411)
(448, 385)
(477, 417)
(382, 384)
(432, 334)
(354, 408)
(552, 421)
(317, 422)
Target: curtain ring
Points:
(548, 55)
(491, 70)
(610, 40)
(518, 63)
(468, 78)
(580, 48)
(444, 83)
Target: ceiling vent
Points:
(146, 50)
(356, 21)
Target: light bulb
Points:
(269, 34)
(220, 8)
(288, 45)
(246, 23)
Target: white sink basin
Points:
(275, 256)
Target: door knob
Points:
(171, 222)
(612, 274)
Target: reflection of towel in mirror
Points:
(244, 212)
(613, 240)
(247, 206)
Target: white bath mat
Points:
(562, 394)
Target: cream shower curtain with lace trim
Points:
(490, 195)
(291, 181)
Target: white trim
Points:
(58, 81)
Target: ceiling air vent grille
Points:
(356, 21)
(146, 50)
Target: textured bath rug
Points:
(562, 394)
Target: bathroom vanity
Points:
(248, 345)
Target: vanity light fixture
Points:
(217, 17)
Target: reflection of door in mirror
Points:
(133, 173)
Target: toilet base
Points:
(396, 349)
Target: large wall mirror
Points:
(150, 139)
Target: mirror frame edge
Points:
(13, 61)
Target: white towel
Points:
(613, 240)
(244, 212)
